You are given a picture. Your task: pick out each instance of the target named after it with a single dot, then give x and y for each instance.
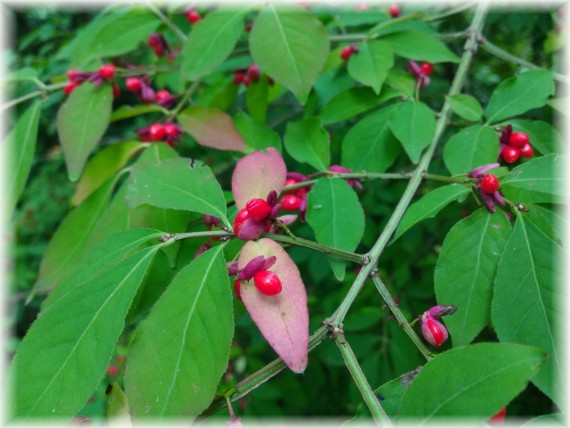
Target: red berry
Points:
(69, 87)
(489, 184)
(245, 80)
(518, 139)
(290, 182)
(347, 52)
(237, 289)
(394, 11)
(171, 130)
(193, 17)
(116, 91)
(267, 283)
(121, 359)
(426, 68)
(258, 209)
(253, 73)
(162, 95)
(112, 370)
(511, 154)
(238, 77)
(248, 27)
(498, 418)
(133, 84)
(290, 203)
(107, 71)
(435, 330)
(156, 132)
(527, 151)
(241, 216)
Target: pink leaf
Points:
(212, 128)
(257, 174)
(282, 319)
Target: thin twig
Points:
(168, 22)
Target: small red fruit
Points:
(290, 203)
(72, 74)
(394, 11)
(156, 132)
(193, 17)
(171, 130)
(112, 370)
(257, 208)
(511, 154)
(489, 184)
(267, 283)
(248, 27)
(121, 359)
(347, 52)
(527, 151)
(133, 84)
(434, 332)
(238, 77)
(290, 182)
(237, 289)
(69, 87)
(499, 418)
(116, 91)
(107, 71)
(426, 68)
(245, 80)
(253, 73)
(241, 216)
(518, 139)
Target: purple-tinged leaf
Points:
(256, 175)
(212, 128)
(283, 319)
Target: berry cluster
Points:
(488, 186)
(266, 282)
(433, 330)
(141, 87)
(514, 145)
(77, 77)
(347, 52)
(248, 75)
(421, 72)
(168, 132)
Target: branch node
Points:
(167, 237)
(334, 331)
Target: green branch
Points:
(168, 22)
(187, 96)
(402, 321)
(415, 181)
(378, 413)
(503, 54)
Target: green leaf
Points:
(210, 42)
(211, 127)
(117, 406)
(419, 46)
(119, 34)
(256, 137)
(471, 147)
(69, 241)
(190, 355)
(308, 142)
(126, 112)
(549, 222)
(290, 45)
(369, 145)
(81, 122)
(257, 99)
(413, 124)
(474, 381)
(543, 136)
(335, 215)
(466, 269)
(352, 102)
(466, 106)
(103, 166)
(220, 95)
(429, 206)
(527, 303)
(371, 64)
(65, 353)
(538, 180)
(520, 94)
(102, 256)
(179, 184)
(20, 147)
